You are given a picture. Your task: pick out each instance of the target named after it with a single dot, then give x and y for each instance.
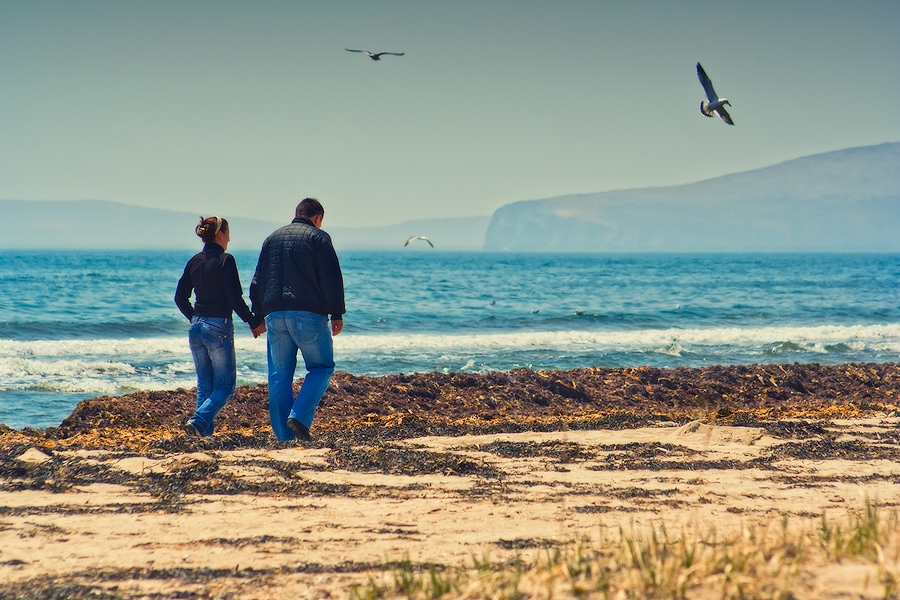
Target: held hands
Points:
(260, 329)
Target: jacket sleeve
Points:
(183, 294)
(331, 279)
(258, 284)
(231, 281)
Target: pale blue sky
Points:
(243, 108)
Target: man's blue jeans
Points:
(212, 346)
(288, 331)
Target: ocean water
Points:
(76, 325)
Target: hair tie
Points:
(204, 226)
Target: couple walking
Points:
(296, 287)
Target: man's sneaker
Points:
(300, 429)
(192, 430)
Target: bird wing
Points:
(723, 114)
(707, 84)
(349, 50)
(418, 237)
(393, 53)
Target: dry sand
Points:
(241, 516)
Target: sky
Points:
(244, 108)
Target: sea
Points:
(82, 324)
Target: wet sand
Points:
(437, 469)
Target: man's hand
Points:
(260, 329)
(336, 326)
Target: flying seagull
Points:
(715, 105)
(375, 55)
(418, 237)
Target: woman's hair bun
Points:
(209, 227)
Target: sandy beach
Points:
(463, 478)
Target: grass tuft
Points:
(779, 561)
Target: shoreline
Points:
(432, 473)
(488, 401)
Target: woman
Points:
(213, 277)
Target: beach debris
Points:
(752, 396)
(714, 105)
(33, 456)
(139, 465)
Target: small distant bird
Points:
(715, 105)
(418, 237)
(375, 55)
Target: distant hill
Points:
(102, 225)
(843, 201)
(463, 233)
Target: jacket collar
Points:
(302, 220)
(213, 247)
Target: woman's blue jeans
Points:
(288, 331)
(212, 346)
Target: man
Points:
(297, 285)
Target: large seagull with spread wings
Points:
(375, 55)
(418, 237)
(714, 105)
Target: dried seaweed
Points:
(392, 407)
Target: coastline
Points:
(460, 403)
(435, 470)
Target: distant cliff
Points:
(843, 201)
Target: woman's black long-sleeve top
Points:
(213, 277)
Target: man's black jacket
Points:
(298, 269)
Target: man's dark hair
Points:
(309, 208)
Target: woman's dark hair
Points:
(209, 227)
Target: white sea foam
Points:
(110, 366)
(163, 347)
(174, 351)
(98, 347)
(879, 337)
(22, 367)
(82, 385)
